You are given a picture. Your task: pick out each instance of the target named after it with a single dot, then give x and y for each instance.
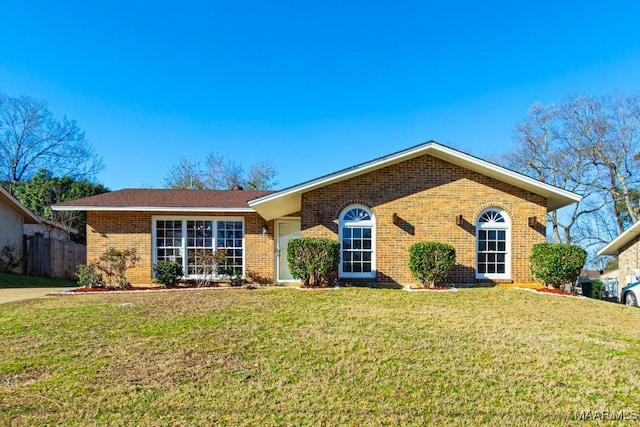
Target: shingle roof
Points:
(166, 200)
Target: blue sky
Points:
(312, 86)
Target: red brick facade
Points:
(427, 194)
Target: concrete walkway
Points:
(17, 294)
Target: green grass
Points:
(12, 280)
(277, 356)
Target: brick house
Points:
(376, 210)
(626, 247)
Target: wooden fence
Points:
(53, 258)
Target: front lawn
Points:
(12, 280)
(356, 356)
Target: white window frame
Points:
(184, 219)
(498, 226)
(354, 224)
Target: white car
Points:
(630, 294)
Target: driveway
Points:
(17, 294)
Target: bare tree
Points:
(32, 139)
(185, 175)
(261, 175)
(589, 146)
(220, 173)
(607, 131)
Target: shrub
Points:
(168, 272)
(208, 263)
(115, 263)
(10, 258)
(88, 277)
(557, 264)
(230, 270)
(431, 262)
(235, 277)
(314, 260)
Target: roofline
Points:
(26, 213)
(150, 208)
(613, 247)
(426, 148)
(339, 175)
(62, 227)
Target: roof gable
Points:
(613, 248)
(13, 203)
(289, 200)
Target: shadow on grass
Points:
(13, 280)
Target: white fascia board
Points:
(150, 209)
(556, 197)
(613, 248)
(283, 206)
(342, 175)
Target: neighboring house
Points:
(627, 248)
(49, 230)
(376, 210)
(13, 217)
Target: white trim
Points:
(288, 200)
(152, 209)
(613, 247)
(508, 249)
(366, 223)
(184, 218)
(276, 247)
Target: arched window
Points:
(357, 242)
(493, 236)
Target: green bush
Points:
(115, 263)
(314, 260)
(10, 258)
(431, 262)
(230, 270)
(168, 272)
(557, 264)
(88, 276)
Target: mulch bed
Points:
(435, 289)
(552, 291)
(136, 289)
(99, 290)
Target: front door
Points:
(287, 229)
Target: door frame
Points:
(277, 248)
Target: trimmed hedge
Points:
(314, 260)
(431, 262)
(557, 264)
(168, 272)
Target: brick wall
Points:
(628, 261)
(121, 230)
(427, 194)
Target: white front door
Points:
(286, 229)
